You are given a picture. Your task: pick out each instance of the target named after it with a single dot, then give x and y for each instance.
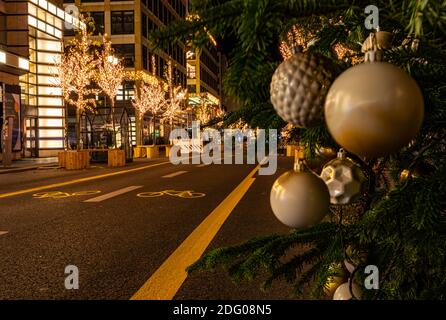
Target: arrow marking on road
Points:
(66, 183)
(175, 174)
(113, 194)
(168, 279)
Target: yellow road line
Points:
(66, 183)
(167, 280)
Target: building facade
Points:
(31, 40)
(204, 72)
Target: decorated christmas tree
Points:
(369, 85)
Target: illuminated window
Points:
(51, 144)
(51, 133)
(23, 64)
(48, 45)
(50, 112)
(50, 123)
(43, 101)
(50, 91)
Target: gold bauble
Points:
(299, 199)
(344, 178)
(374, 109)
(332, 284)
(343, 292)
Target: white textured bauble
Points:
(374, 109)
(299, 199)
(299, 87)
(345, 180)
(343, 292)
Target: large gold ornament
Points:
(343, 292)
(344, 178)
(299, 198)
(333, 282)
(299, 87)
(374, 108)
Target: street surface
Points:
(131, 231)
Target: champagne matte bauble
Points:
(374, 109)
(343, 292)
(299, 87)
(332, 284)
(299, 199)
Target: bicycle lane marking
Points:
(76, 181)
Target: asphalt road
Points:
(122, 239)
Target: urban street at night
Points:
(222, 159)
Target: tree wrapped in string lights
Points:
(74, 73)
(109, 77)
(177, 94)
(149, 97)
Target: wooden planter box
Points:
(168, 147)
(74, 160)
(116, 158)
(152, 152)
(295, 151)
(139, 152)
(290, 149)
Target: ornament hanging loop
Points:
(299, 165)
(375, 45)
(342, 154)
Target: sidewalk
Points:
(29, 164)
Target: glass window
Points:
(122, 22)
(144, 57)
(98, 20)
(144, 25)
(126, 52)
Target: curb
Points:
(15, 170)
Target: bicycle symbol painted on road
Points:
(186, 194)
(61, 195)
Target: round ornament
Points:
(332, 284)
(344, 178)
(299, 198)
(343, 292)
(374, 109)
(299, 87)
(334, 281)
